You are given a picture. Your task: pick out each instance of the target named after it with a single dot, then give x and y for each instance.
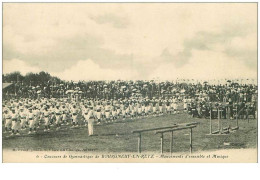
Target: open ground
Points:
(118, 137)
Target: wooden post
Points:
(190, 140)
(139, 143)
(219, 121)
(247, 115)
(210, 123)
(161, 143)
(171, 143)
(227, 112)
(237, 116)
(221, 117)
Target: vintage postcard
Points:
(129, 82)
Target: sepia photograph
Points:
(129, 82)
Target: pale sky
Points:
(91, 41)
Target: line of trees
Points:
(30, 79)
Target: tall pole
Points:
(15, 89)
(219, 121)
(159, 90)
(17, 80)
(237, 116)
(247, 114)
(210, 122)
(152, 90)
(52, 89)
(190, 140)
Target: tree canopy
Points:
(33, 79)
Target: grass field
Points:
(117, 137)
